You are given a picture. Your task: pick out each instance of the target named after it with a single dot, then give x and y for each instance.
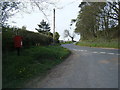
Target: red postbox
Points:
(18, 41)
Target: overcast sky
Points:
(65, 11)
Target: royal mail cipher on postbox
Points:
(18, 41)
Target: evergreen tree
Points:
(43, 27)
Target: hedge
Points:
(29, 39)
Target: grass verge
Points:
(32, 62)
(67, 42)
(102, 44)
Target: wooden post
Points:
(18, 51)
(53, 26)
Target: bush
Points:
(29, 39)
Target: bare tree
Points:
(10, 7)
(43, 6)
(7, 9)
(67, 34)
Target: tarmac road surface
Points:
(86, 68)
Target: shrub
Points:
(29, 39)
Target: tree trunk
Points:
(72, 38)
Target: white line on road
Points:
(83, 50)
(75, 49)
(103, 52)
(111, 53)
(94, 52)
(80, 50)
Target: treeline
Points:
(98, 20)
(29, 38)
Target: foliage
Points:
(67, 34)
(100, 43)
(43, 6)
(67, 42)
(73, 20)
(29, 39)
(50, 34)
(43, 27)
(95, 18)
(57, 37)
(24, 28)
(8, 10)
(32, 62)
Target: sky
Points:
(65, 11)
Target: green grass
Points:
(31, 63)
(67, 42)
(103, 44)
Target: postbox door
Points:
(18, 41)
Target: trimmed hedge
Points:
(29, 39)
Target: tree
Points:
(43, 27)
(57, 37)
(67, 34)
(88, 20)
(72, 21)
(8, 9)
(24, 27)
(43, 5)
(115, 10)
(50, 34)
(94, 17)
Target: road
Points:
(86, 68)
